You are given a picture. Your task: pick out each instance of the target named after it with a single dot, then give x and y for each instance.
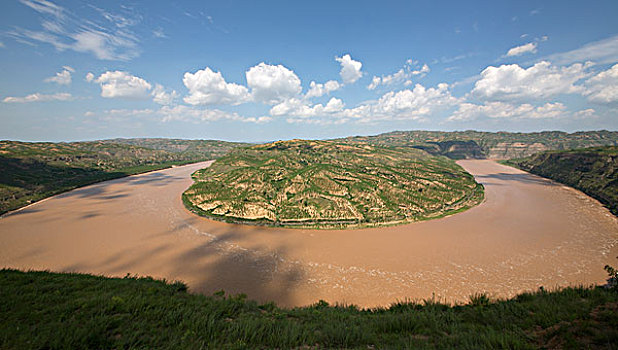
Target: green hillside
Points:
(202, 149)
(330, 184)
(42, 310)
(593, 171)
(494, 145)
(30, 171)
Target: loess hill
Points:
(30, 171)
(330, 184)
(492, 145)
(593, 171)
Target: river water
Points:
(529, 232)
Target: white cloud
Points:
(272, 84)
(45, 7)
(162, 97)
(89, 77)
(520, 50)
(61, 78)
(295, 107)
(603, 87)
(195, 115)
(159, 33)
(410, 104)
(67, 31)
(118, 84)
(602, 51)
(542, 80)
(350, 69)
(402, 76)
(317, 90)
(503, 110)
(38, 97)
(207, 87)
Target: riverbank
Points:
(527, 233)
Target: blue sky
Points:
(259, 71)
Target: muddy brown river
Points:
(529, 232)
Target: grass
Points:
(43, 310)
(328, 184)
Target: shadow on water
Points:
(29, 210)
(507, 177)
(215, 264)
(157, 179)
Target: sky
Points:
(269, 70)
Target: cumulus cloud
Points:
(162, 97)
(520, 50)
(504, 110)
(317, 90)
(89, 77)
(414, 104)
(603, 87)
(410, 104)
(38, 97)
(118, 84)
(207, 87)
(542, 80)
(192, 114)
(301, 108)
(350, 69)
(402, 76)
(61, 78)
(272, 84)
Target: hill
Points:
(30, 171)
(200, 149)
(493, 145)
(42, 310)
(330, 184)
(593, 171)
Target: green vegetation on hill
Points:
(30, 171)
(593, 171)
(200, 149)
(330, 184)
(494, 145)
(42, 310)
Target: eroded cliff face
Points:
(454, 149)
(591, 170)
(509, 150)
(493, 145)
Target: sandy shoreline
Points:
(528, 232)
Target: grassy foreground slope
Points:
(593, 171)
(495, 145)
(330, 184)
(30, 171)
(42, 310)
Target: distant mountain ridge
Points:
(491, 145)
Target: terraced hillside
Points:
(202, 149)
(493, 145)
(30, 171)
(330, 184)
(593, 171)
